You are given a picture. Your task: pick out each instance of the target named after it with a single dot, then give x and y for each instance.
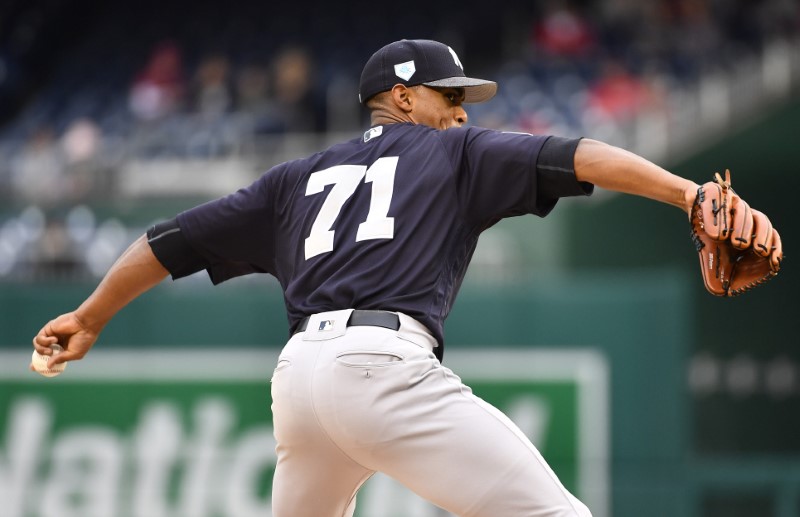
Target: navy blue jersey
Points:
(388, 221)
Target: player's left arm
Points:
(616, 169)
(135, 271)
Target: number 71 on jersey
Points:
(346, 180)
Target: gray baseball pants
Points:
(350, 401)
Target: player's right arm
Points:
(136, 271)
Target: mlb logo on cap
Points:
(405, 70)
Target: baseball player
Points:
(370, 240)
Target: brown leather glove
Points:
(738, 247)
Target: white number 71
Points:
(345, 180)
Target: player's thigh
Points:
(466, 456)
(314, 490)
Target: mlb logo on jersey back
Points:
(372, 133)
(326, 325)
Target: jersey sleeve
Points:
(555, 172)
(501, 174)
(234, 234)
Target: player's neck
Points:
(381, 117)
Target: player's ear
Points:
(403, 97)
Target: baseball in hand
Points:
(39, 362)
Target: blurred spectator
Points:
(81, 140)
(252, 88)
(617, 93)
(54, 254)
(37, 172)
(563, 31)
(212, 90)
(85, 173)
(694, 32)
(253, 99)
(210, 132)
(293, 72)
(159, 88)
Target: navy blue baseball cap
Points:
(420, 61)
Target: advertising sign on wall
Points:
(181, 433)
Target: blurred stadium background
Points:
(114, 115)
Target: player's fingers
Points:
(63, 357)
(776, 257)
(742, 224)
(44, 339)
(78, 348)
(762, 234)
(43, 343)
(66, 355)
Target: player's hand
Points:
(68, 331)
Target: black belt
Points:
(361, 318)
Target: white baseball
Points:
(39, 362)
